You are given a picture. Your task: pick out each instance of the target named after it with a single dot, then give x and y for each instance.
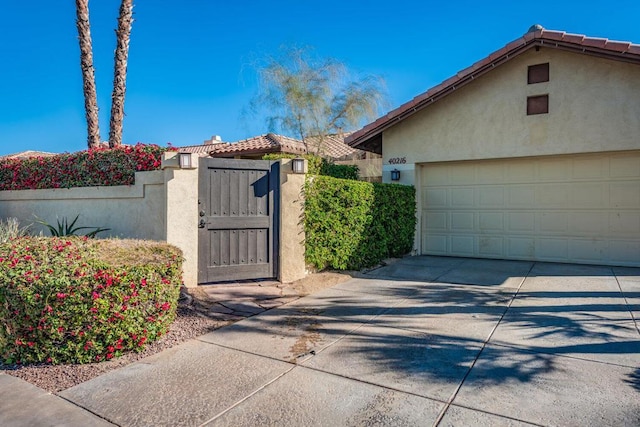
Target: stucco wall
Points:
(594, 105)
(136, 211)
(292, 235)
(161, 205)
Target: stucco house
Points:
(532, 153)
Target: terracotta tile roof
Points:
(27, 154)
(202, 149)
(332, 146)
(537, 36)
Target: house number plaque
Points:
(397, 160)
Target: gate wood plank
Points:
(238, 204)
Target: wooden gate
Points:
(238, 225)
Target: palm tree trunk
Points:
(88, 73)
(123, 34)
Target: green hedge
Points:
(95, 167)
(320, 166)
(353, 224)
(339, 171)
(78, 300)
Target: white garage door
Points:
(579, 208)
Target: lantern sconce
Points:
(395, 175)
(297, 165)
(185, 160)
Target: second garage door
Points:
(579, 208)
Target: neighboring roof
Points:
(332, 146)
(27, 154)
(370, 137)
(199, 149)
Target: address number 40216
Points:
(397, 160)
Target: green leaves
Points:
(65, 229)
(352, 224)
(61, 302)
(305, 96)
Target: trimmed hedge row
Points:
(94, 167)
(78, 300)
(353, 224)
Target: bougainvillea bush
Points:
(79, 300)
(94, 167)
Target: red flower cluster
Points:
(94, 167)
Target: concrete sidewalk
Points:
(425, 341)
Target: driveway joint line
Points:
(359, 380)
(457, 405)
(249, 396)
(563, 356)
(484, 345)
(626, 301)
(102, 417)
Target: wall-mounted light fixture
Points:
(395, 175)
(185, 160)
(297, 165)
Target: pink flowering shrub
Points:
(95, 167)
(78, 300)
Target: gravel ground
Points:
(189, 324)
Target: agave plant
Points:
(64, 228)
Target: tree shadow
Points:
(421, 335)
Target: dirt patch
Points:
(318, 281)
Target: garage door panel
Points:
(588, 250)
(625, 194)
(585, 223)
(490, 246)
(624, 222)
(436, 244)
(462, 197)
(626, 251)
(491, 222)
(521, 171)
(463, 245)
(490, 173)
(552, 222)
(491, 196)
(437, 221)
(556, 170)
(625, 167)
(521, 222)
(521, 247)
(462, 222)
(574, 208)
(521, 196)
(590, 168)
(555, 250)
(552, 195)
(436, 198)
(588, 195)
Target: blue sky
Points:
(190, 70)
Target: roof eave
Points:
(512, 50)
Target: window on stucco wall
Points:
(538, 73)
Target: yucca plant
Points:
(64, 228)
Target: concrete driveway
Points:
(425, 341)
